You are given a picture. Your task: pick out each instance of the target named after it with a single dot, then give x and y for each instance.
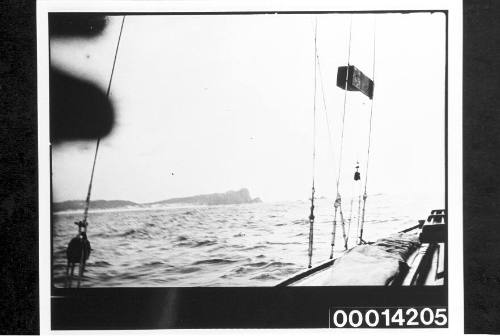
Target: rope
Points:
(83, 226)
(359, 214)
(353, 196)
(365, 195)
(311, 226)
(325, 109)
(344, 234)
(349, 221)
(338, 200)
(324, 105)
(334, 229)
(311, 215)
(345, 103)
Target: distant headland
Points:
(241, 196)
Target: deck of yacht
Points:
(412, 257)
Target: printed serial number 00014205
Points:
(388, 317)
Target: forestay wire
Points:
(87, 200)
(83, 224)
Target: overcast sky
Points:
(225, 102)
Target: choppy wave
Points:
(234, 245)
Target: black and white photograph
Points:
(213, 154)
(242, 150)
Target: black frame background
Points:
(234, 307)
(481, 164)
(19, 185)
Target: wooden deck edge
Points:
(303, 274)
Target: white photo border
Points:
(454, 140)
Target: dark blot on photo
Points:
(80, 25)
(79, 109)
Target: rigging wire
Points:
(324, 106)
(83, 224)
(345, 103)
(311, 215)
(325, 110)
(365, 196)
(353, 196)
(338, 200)
(87, 201)
(329, 130)
(349, 221)
(358, 217)
(357, 193)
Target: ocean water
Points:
(257, 244)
